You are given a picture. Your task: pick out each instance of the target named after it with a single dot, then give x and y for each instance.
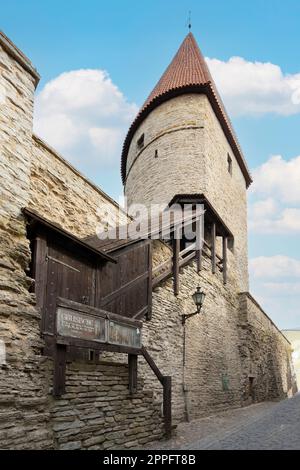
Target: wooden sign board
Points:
(124, 335)
(75, 324)
(86, 323)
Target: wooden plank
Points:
(82, 343)
(209, 247)
(167, 404)
(176, 250)
(149, 312)
(132, 373)
(69, 237)
(225, 260)
(117, 293)
(187, 259)
(40, 274)
(165, 264)
(168, 273)
(152, 364)
(162, 277)
(189, 248)
(59, 377)
(97, 312)
(213, 247)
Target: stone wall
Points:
(97, 412)
(23, 415)
(60, 193)
(265, 354)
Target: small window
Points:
(91, 355)
(140, 142)
(229, 164)
(156, 154)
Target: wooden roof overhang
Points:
(211, 214)
(36, 220)
(110, 244)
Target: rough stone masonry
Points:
(232, 342)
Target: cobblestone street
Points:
(270, 425)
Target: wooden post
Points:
(213, 247)
(176, 250)
(167, 404)
(225, 260)
(59, 379)
(40, 273)
(199, 245)
(132, 372)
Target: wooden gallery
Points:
(110, 343)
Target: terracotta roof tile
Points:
(187, 73)
(187, 68)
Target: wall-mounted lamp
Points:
(198, 298)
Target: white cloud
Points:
(278, 266)
(275, 282)
(280, 289)
(275, 197)
(280, 177)
(256, 87)
(85, 116)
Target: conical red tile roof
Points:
(187, 68)
(187, 73)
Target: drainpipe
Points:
(185, 387)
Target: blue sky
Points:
(134, 42)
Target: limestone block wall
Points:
(60, 193)
(265, 354)
(212, 343)
(23, 415)
(176, 130)
(97, 412)
(192, 158)
(227, 191)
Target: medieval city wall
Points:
(265, 354)
(62, 194)
(23, 414)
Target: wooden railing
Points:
(165, 269)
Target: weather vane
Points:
(189, 21)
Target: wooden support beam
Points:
(225, 260)
(40, 273)
(167, 404)
(59, 377)
(176, 250)
(213, 247)
(132, 373)
(152, 364)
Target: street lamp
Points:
(198, 298)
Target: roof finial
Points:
(190, 20)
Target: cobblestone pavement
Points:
(271, 425)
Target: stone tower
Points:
(182, 144)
